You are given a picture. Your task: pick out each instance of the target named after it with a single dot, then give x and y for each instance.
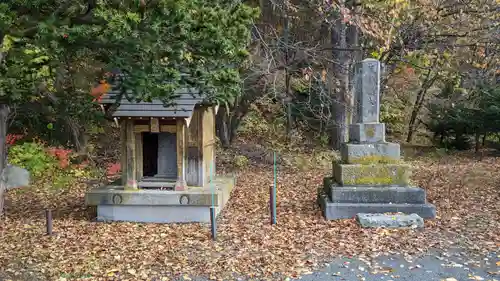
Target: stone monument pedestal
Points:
(370, 177)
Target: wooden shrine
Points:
(168, 154)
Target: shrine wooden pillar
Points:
(128, 157)
(181, 155)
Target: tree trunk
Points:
(78, 136)
(4, 116)
(339, 39)
(288, 76)
(419, 101)
(477, 142)
(222, 127)
(227, 123)
(288, 105)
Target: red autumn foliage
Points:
(410, 70)
(61, 154)
(113, 169)
(101, 89)
(12, 138)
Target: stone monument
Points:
(370, 176)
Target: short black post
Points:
(48, 219)
(213, 223)
(272, 204)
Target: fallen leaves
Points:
(247, 245)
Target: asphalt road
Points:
(450, 265)
(437, 265)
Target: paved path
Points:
(436, 265)
(451, 265)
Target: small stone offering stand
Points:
(370, 177)
(167, 156)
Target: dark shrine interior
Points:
(150, 154)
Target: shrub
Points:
(51, 166)
(456, 124)
(33, 157)
(113, 169)
(60, 154)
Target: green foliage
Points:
(49, 60)
(477, 115)
(240, 161)
(393, 114)
(47, 165)
(151, 45)
(33, 157)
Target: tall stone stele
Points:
(371, 177)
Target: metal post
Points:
(213, 223)
(48, 220)
(272, 205)
(272, 192)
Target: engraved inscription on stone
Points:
(367, 91)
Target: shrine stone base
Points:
(345, 202)
(115, 203)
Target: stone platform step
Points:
(333, 210)
(375, 194)
(154, 213)
(372, 174)
(390, 221)
(115, 203)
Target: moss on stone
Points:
(374, 174)
(369, 131)
(371, 181)
(373, 159)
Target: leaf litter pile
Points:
(465, 191)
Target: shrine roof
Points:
(182, 106)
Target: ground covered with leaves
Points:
(466, 191)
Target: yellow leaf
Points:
(498, 263)
(111, 272)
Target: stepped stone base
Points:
(373, 174)
(385, 152)
(390, 221)
(371, 194)
(367, 132)
(333, 211)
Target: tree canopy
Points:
(151, 43)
